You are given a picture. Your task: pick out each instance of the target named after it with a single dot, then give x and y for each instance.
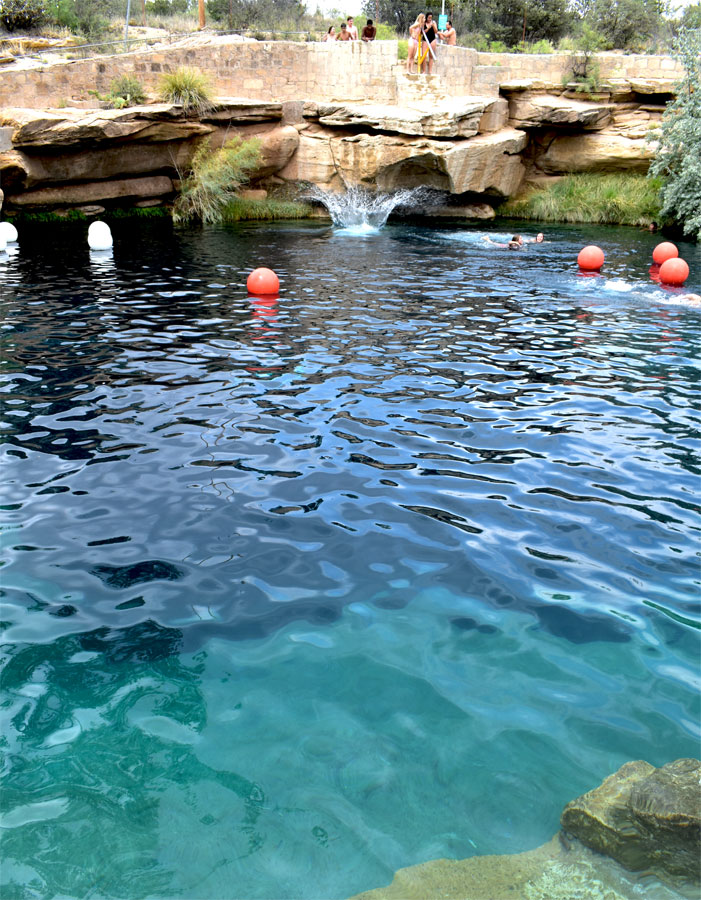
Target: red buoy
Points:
(591, 258)
(263, 282)
(674, 271)
(664, 251)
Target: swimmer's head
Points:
(514, 245)
(517, 239)
(539, 238)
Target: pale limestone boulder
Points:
(652, 86)
(495, 115)
(277, 148)
(94, 192)
(600, 152)
(439, 118)
(484, 164)
(59, 129)
(645, 818)
(545, 111)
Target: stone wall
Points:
(552, 66)
(282, 70)
(265, 70)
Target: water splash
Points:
(363, 211)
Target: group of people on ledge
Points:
(425, 31)
(348, 32)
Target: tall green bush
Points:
(214, 180)
(22, 15)
(678, 158)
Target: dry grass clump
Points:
(187, 87)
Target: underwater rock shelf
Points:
(639, 820)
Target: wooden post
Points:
(143, 13)
(200, 9)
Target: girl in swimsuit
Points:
(414, 32)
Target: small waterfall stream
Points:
(360, 210)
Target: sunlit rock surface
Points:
(526, 111)
(486, 164)
(550, 872)
(646, 818)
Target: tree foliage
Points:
(251, 14)
(678, 158)
(624, 24)
(20, 15)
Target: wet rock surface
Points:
(643, 817)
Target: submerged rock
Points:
(638, 837)
(646, 818)
(550, 872)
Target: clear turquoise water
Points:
(297, 593)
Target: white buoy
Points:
(8, 232)
(99, 236)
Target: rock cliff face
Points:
(480, 148)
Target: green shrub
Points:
(22, 15)
(498, 47)
(475, 39)
(126, 91)
(541, 47)
(604, 199)
(187, 87)
(402, 49)
(214, 179)
(678, 158)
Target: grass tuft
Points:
(188, 87)
(242, 209)
(616, 199)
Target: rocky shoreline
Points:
(636, 835)
(478, 149)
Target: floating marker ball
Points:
(8, 232)
(99, 236)
(664, 251)
(263, 281)
(674, 271)
(591, 258)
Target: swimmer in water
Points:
(515, 243)
(685, 300)
(538, 239)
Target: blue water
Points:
(297, 592)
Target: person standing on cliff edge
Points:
(450, 35)
(352, 30)
(368, 33)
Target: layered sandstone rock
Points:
(95, 192)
